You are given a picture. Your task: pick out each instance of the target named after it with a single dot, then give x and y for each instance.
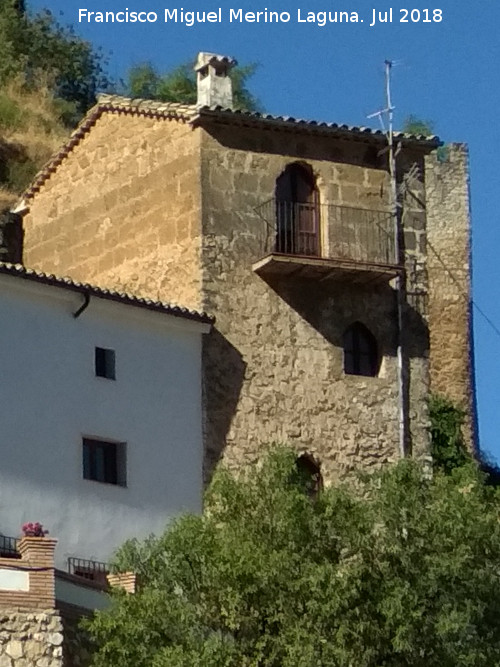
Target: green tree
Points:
(36, 46)
(402, 572)
(179, 85)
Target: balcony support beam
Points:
(322, 269)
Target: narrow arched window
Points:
(310, 475)
(297, 211)
(361, 355)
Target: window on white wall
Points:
(104, 461)
(105, 363)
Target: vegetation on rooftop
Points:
(417, 126)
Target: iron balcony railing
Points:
(327, 231)
(92, 570)
(8, 547)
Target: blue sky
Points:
(447, 72)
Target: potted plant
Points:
(33, 529)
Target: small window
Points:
(104, 461)
(105, 363)
(361, 355)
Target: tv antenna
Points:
(386, 116)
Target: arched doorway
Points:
(297, 212)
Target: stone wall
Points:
(31, 632)
(170, 211)
(449, 269)
(38, 629)
(273, 366)
(122, 211)
(30, 639)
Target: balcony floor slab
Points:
(325, 269)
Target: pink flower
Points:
(34, 529)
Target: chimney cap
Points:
(205, 58)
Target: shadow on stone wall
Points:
(299, 146)
(330, 307)
(224, 371)
(416, 342)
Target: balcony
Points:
(8, 547)
(326, 242)
(91, 570)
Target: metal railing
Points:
(8, 547)
(297, 228)
(328, 231)
(92, 570)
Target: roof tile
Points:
(193, 114)
(20, 271)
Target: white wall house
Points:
(100, 412)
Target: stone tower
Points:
(449, 271)
(282, 230)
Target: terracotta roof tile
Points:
(300, 123)
(20, 271)
(190, 113)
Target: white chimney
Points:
(213, 80)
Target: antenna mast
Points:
(388, 114)
(399, 261)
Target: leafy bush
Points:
(31, 44)
(403, 572)
(447, 443)
(20, 173)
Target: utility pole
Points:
(388, 113)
